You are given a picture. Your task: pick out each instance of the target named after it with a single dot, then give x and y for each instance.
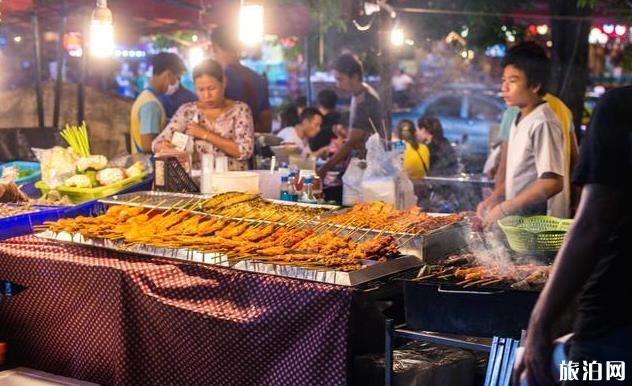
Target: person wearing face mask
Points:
(148, 115)
(218, 126)
(172, 102)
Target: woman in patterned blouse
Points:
(219, 126)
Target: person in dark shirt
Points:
(301, 104)
(443, 160)
(365, 115)
(242, 83)
(327, 100)
(172, 102)
(594, 260)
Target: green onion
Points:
(77, 138)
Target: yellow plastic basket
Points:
(535, 234)
(79, 195)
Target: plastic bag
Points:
(380, 161)
(352, 182)
(57, 164)
(385, 178)
(127, 160)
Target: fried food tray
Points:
(372, 271)
(430, 246)
(166, 200)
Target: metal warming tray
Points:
(151, 199)
(430, 246)
(372, 272)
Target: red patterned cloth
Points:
(123, 319)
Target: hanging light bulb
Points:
(101, 31)
(397, 36)
(251, 22)
(196, 56)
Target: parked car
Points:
(466, 117)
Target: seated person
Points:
(443, 160)
(219, 126)
(308, 127)
(417, 155)
(327, 100)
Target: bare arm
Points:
(499, 185)
(264, 122)
(544, 188)
(146, 141)
(355, 139)
(575, 190)
(548, 185)
(600, 211)
(228, 146)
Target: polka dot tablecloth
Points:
(122, 319)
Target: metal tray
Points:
(151, 199)
(430, 247)
(372, 272)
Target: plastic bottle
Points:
(400, 148)
(291, 187)
(285, 194)
(308, 196)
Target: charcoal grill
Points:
(451, 309)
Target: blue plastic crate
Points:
(33, 167)
(23, 224)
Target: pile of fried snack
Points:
(383, 216)
(315, 247)
(247, 227)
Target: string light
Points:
(397, 36)
(101, 31)
(251, 22)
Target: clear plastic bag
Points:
(385, 178)
(352, 182)
(57, 164)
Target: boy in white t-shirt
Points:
(534, 182)
(308, 127)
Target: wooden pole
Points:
(83, 73)
(384, 64)
(38, 70)
(60, 67)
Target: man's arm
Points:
(499, 185)
(145, 142)
(547, 186)
(150, 115)
(264, 122)
(355, 139)
(600, 211)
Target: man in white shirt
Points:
(401, 82)
(308, 127)
(536, 159)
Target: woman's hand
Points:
(164, 146)
(197, 131)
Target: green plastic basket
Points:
(79, 195)
(535, 234)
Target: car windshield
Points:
(447, 106)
